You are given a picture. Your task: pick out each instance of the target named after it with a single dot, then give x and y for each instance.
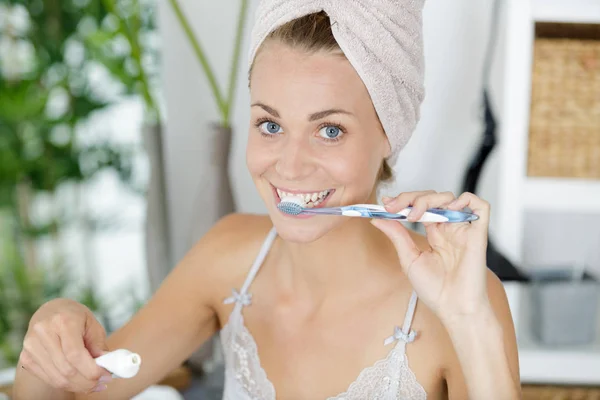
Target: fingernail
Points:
(105, 379)
(99, 388)
(386, 199)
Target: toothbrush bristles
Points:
(291, 205)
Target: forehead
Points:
(291, 77)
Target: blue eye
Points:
(270, 128)
(331, 132)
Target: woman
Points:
(323, 307)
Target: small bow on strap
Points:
(399, 335)
(244, 299)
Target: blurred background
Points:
(121, 119)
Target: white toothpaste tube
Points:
(121, 363)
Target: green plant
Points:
(23, 290)
(46, 97)
(50, 57)
(224, 102)
(124, 44)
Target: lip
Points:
(301, 216)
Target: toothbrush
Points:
(121, 363)
(296, 206)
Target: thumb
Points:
(407, 249)
(94, 338)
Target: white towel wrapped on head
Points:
(382, 39)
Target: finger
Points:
(433, 200)
(404, 200)
(41, 357)
(73, 347)
(478, 206)
(51, 343)
(29, 366)
(94, 338)
(405, 246)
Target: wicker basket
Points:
(564, 136)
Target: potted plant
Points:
(216, 199)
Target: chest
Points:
(324, 358)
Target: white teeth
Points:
(309, 198)
(310, 205)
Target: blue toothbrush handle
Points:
(384, 215)
(454, 216)
(375, 211)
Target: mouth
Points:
(316, 199)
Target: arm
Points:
(484, 360)
(451, 278)
(175, 322)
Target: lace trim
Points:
(387, 379)
(243, 361)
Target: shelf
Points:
(573, 365)
(570, 11)
(559, 367)
(554, 194)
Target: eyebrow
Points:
(313, 117)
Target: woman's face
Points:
(313, 133)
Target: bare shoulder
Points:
(228, 249)
(232, 237)
(232, 234)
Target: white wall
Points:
(455, 35)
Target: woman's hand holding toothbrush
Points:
(450, 277)
(60, 348)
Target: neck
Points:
(338, 263)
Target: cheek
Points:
(358, 172)
(258, 155)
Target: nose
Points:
(295, 162)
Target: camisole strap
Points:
(405, 334)
(262, 254)
(243, 298)
(410, 313)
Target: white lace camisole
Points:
(388, 379)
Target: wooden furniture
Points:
(531, 392)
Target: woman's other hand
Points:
(61, 343)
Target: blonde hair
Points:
(312, 33)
